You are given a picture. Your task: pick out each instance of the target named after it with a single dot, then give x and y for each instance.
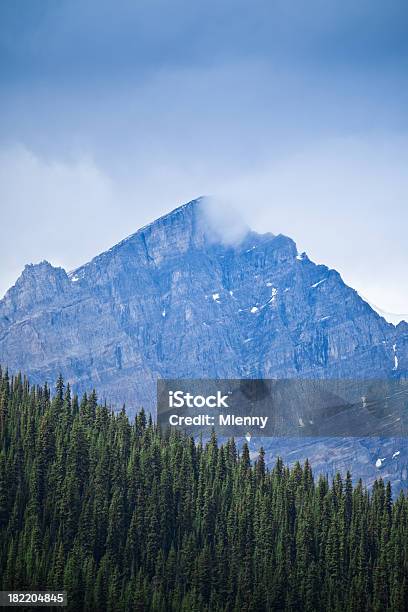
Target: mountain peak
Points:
(40, 272)
(189, 210)
(37, 285)
(193, 295)
(40, 267)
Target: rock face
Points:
(171, 301)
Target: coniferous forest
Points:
(126, 517)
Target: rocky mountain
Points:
(173, 301)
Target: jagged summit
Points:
(188, 226)
(37, 285)
(189, 211)
(41, 265)
(35, 271)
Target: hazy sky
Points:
(113, 113)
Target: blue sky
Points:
(293, 113)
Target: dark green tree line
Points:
(126, 517)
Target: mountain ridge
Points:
(172, 301)
(162, 219)
(153, 243)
